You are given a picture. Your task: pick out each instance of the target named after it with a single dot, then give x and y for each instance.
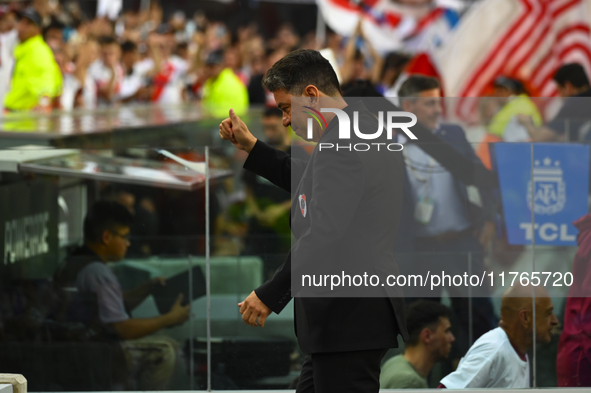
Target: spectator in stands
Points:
(65, 67)
(429, 341)
(394, 64)
(334, 51)
(222, 88)
(574, 347)
(168, 69)
(132, 83)
(80, 86)
(513, 99)
(286, 39)
(8, 41)
(269, 234)
(499, 358)
(54, 35)
(257, 94)
(573, 121)
(7, 19)
(355, 66)
(182, 51)
(36, 78)
(106, 230)
(107, 72)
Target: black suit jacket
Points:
(353, 208)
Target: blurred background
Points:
(103, 100)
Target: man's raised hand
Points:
(234, 130)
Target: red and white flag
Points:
(524, 39)
(389, 25)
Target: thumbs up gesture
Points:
(234, 130)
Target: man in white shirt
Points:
(168, 69)
(107, 72)
(132, 80)
(8, 41)
(498, 358)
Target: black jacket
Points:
(353, 204)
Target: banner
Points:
(390, 25)
(523, 39)
(557, 193)
(28, 229)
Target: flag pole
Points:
(320, 29)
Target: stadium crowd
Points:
(143, 57)
(53, 56)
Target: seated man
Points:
(498, 358)
(150, 361)
(429, 341)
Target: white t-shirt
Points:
(8, 41)
(133, 82)
(101, 74)
(71, 86)
(130, 85)
(491, 362)
(169, 83)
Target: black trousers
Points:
(343, 372)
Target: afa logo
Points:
(547, 188)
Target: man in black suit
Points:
(345, 211)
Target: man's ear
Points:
(106, 236)
(426, 334)
(312, 92)
(525, 318)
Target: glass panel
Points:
(100, 316)
(251, 240)
(520, 233)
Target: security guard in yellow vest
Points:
(36, 78)
(222, 89)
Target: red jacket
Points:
(573, 363)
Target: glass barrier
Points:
(102, 233)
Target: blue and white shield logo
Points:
(548, 190)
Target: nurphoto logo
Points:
(390, 118)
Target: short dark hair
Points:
(416, 84)
(107, 40)
(360, 88)
(301, 68)
(103, 216)
(273, 112)
(423, 314)
(396, 61)
(573, 73)
(128, 47)
(54, 25)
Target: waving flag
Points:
(524, 39)
(387, 25)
